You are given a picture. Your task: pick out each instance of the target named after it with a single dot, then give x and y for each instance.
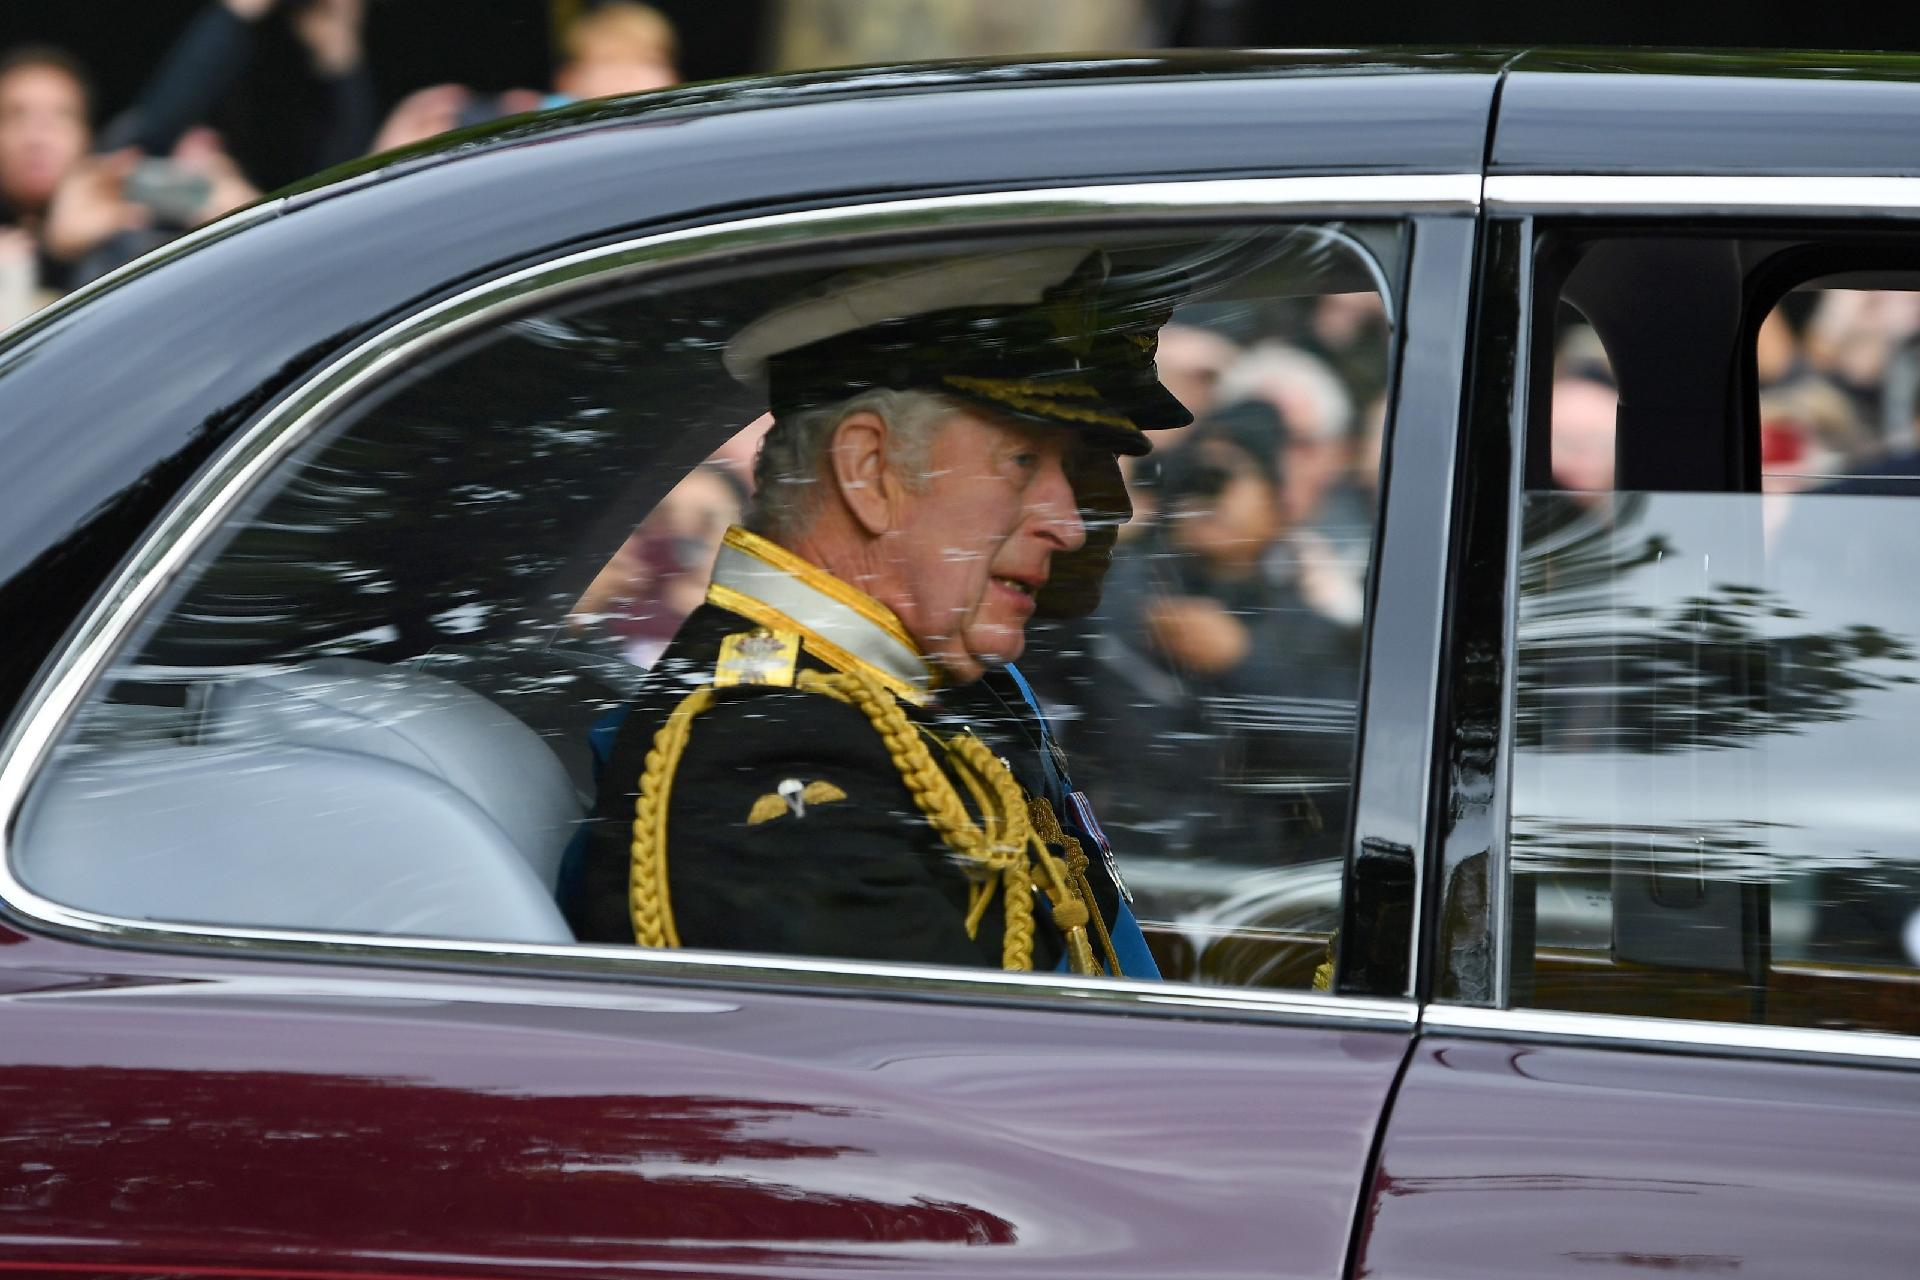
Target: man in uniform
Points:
(834, 757)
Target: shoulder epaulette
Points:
(760, 656)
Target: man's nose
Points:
(1057, 511)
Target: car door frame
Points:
(1500, 1102)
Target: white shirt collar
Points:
(822, 608)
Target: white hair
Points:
(1310, 378)
(793, 456)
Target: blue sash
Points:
(1076, 817)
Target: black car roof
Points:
(1404, 110)
(1751, 112)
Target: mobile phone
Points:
(174, 194)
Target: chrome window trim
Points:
(697, 975)
(199, 510)
(1674, 1034)
(1706, 193)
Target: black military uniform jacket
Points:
(789, 828)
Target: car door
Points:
(1672, 946)
(278, 1002)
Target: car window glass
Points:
(386, 697)
(1709, 787)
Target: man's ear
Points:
(857, 463)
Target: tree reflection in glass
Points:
(1719, 687)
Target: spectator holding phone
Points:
(617, 47)
(44, 133)
(158, 169)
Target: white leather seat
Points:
(338, 796)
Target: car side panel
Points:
(1544, 1160)
(307, 1119)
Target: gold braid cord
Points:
(1074, 888)
(995, 847)
(647, 874)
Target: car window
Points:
(392, 694)
(1713, 681)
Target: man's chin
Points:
(996, 646)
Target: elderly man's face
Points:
(978, 541)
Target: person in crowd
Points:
(1192, 361)
(212, 53)
(659, 576)
(618, 47)
(1582, 437)
(44, 133)
(1350, 332)
(1332, 562)
(1317, 409)
(1330, 519)
(1777, 355)
(1809, 430)
(1852, 336)
(112, 208)
(157, 169)
(44, 130)
(1220, 670)
(848, 683)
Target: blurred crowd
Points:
(1209, 700)
(79, 197)
(1839, 380)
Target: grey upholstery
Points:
(278, 837)
(421, 721)
(340, 796)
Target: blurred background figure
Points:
(1852, 337)
(156, 169)
(1350, 332)
(1809, 429)
(827, 33)
(44, 132)
(620, 47)
(1331, 517)
(617, 48)
(1207, 644)
(1317, 409)
(1583, 422)
(660, 573)
(1191, 361)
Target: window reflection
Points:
(1712, 767)
(1210, 701)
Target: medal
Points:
(1083, 814)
